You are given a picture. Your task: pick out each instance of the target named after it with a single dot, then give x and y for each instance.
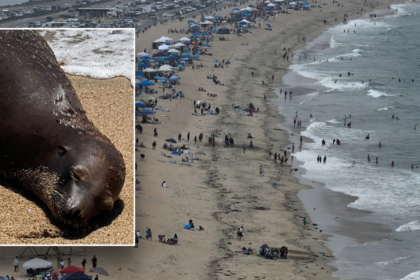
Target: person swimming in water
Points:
(367, 137)
(380, 144)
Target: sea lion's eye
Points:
(62, 151)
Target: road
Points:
(144, 21)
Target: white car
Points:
(108, 7)
(177, 6)
(168, 14)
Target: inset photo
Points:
(67, 137)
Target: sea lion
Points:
(47, 143)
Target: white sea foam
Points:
(376, 93)
(386, 108)
(329, 82)
(412, 276)
(391, 262)
(412, 226)
(100, 54)
(333, 43)
(334, 121)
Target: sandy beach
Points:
(108, 104)
(223, 190)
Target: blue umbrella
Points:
(146, 57)
(171, 140)
(161, 59)
(205, 34)
(216, 61)
(174, 78)
(147, 112)
(207, 45)
(195, 26)
(145, 83)
(157, 77)
(143, 65)
(171, 58)
(138, 73)
(217, 16)
(203, 18)
(187, 56)
(168, 43)
(268, 25)
(176, 153)
(267, 8)
(139, 104)
(161, 78)
(159, 54)
(196, 34)
(190, 21)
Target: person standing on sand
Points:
(269, 154)
(214, 142)
(96, 278)
(240, 233)
(301, 139)
(154, 145)
(275, 157)
(244, 148)
(137, 242)
(195, 139)
(261, 171)
(69, 262)
(278, 176)
(265, 97)
(304, 223)
(179, 137)
(94, 261)
(188, 137)
(84, 263)
(293, 147)
(16, 264)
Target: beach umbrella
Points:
(71, 269)
(146, 57)
(170, 58)
(271, 5)
(163, 39)
(161, 59)
(171, 140)
(203, 18)
(205, 34)
(207, 45)
(144, 65)
(168, 43)
(217, 16)
(147, 112)
(159, 54)
(149, 70)
(267, 9)
(196, 34)
(140, 54)
(163, 47)
(292, 3)
(184, 39)
(269, 26)
(99, 270)
(174, 78)
(138, 73)
(36, 263)
(138, 104)
(187, 56)
(77, 276)
(146, 83)
(140, 78)
(190, 21)
(176, 153)
(195, 26)
(173, 51)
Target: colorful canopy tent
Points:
(181, 67)
(143, 65)
(184, 39)
(163, 47)
(138, 73)
(77, 276)
(147, 70)
(163, 39)
(71, 269)
(144, 96)
(36, 263)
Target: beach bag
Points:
(187, 226)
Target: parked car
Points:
(168, 14)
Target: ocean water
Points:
(378, 52)
(99, 54)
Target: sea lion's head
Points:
(92, 181)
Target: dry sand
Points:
(223, 191)
(109, 105)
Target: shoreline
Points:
(352, 229)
